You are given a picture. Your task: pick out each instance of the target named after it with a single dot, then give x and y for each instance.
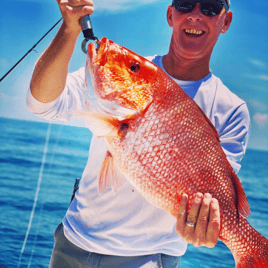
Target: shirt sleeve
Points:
(71, 99)
(234, 136)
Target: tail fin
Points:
(249, 248)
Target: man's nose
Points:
(196, 14)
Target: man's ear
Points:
(169, 16)
(227, 21)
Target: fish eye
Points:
(134, 67)
(124, 126)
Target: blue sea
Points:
(39, 163)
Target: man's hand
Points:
(73, 10)
(50, 73)
(201, 226)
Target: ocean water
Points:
(38, 166)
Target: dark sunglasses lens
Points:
(187, 7)
(211, 8)
(184, 7)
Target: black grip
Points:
(88, 34)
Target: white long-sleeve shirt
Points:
(125, 223)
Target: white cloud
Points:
(261, 120)
(259, 76)
(263, 77)
(13, 106)
(113, 5)
(257, 62)
(258, 105)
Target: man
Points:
(123, 229)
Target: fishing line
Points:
(36, 234)
(42, 205)
(88, 34)
(37, 192)
(44, 152)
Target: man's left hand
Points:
(201, 226)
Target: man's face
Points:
(195, 34)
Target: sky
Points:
(240, 57)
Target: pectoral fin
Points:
(100, 124)
(109, 175)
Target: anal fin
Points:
(109, 175)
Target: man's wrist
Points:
(71, 32)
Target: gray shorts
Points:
(66, 255)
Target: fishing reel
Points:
(88, 33)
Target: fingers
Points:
(73, 10)
(192, 217)
(76, 7)
(76, 3)
(181, 218)
(203, 218)
(214, 223)
(194, 211)
(205, 215)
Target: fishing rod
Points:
(30, 49)
(87, 32)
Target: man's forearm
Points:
(49, 77)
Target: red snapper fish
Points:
(164, 145)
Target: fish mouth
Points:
(97, 97)
(98, 55)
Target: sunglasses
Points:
(207, 7)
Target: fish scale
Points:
(167, 147)
(182, 178)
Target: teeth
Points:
(193, 31)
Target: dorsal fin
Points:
(109, 175)
(242, 201)
(212, 126)
(210, 123)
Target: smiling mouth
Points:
(194, 32)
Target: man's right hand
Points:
(72, 11)
(50, 73)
